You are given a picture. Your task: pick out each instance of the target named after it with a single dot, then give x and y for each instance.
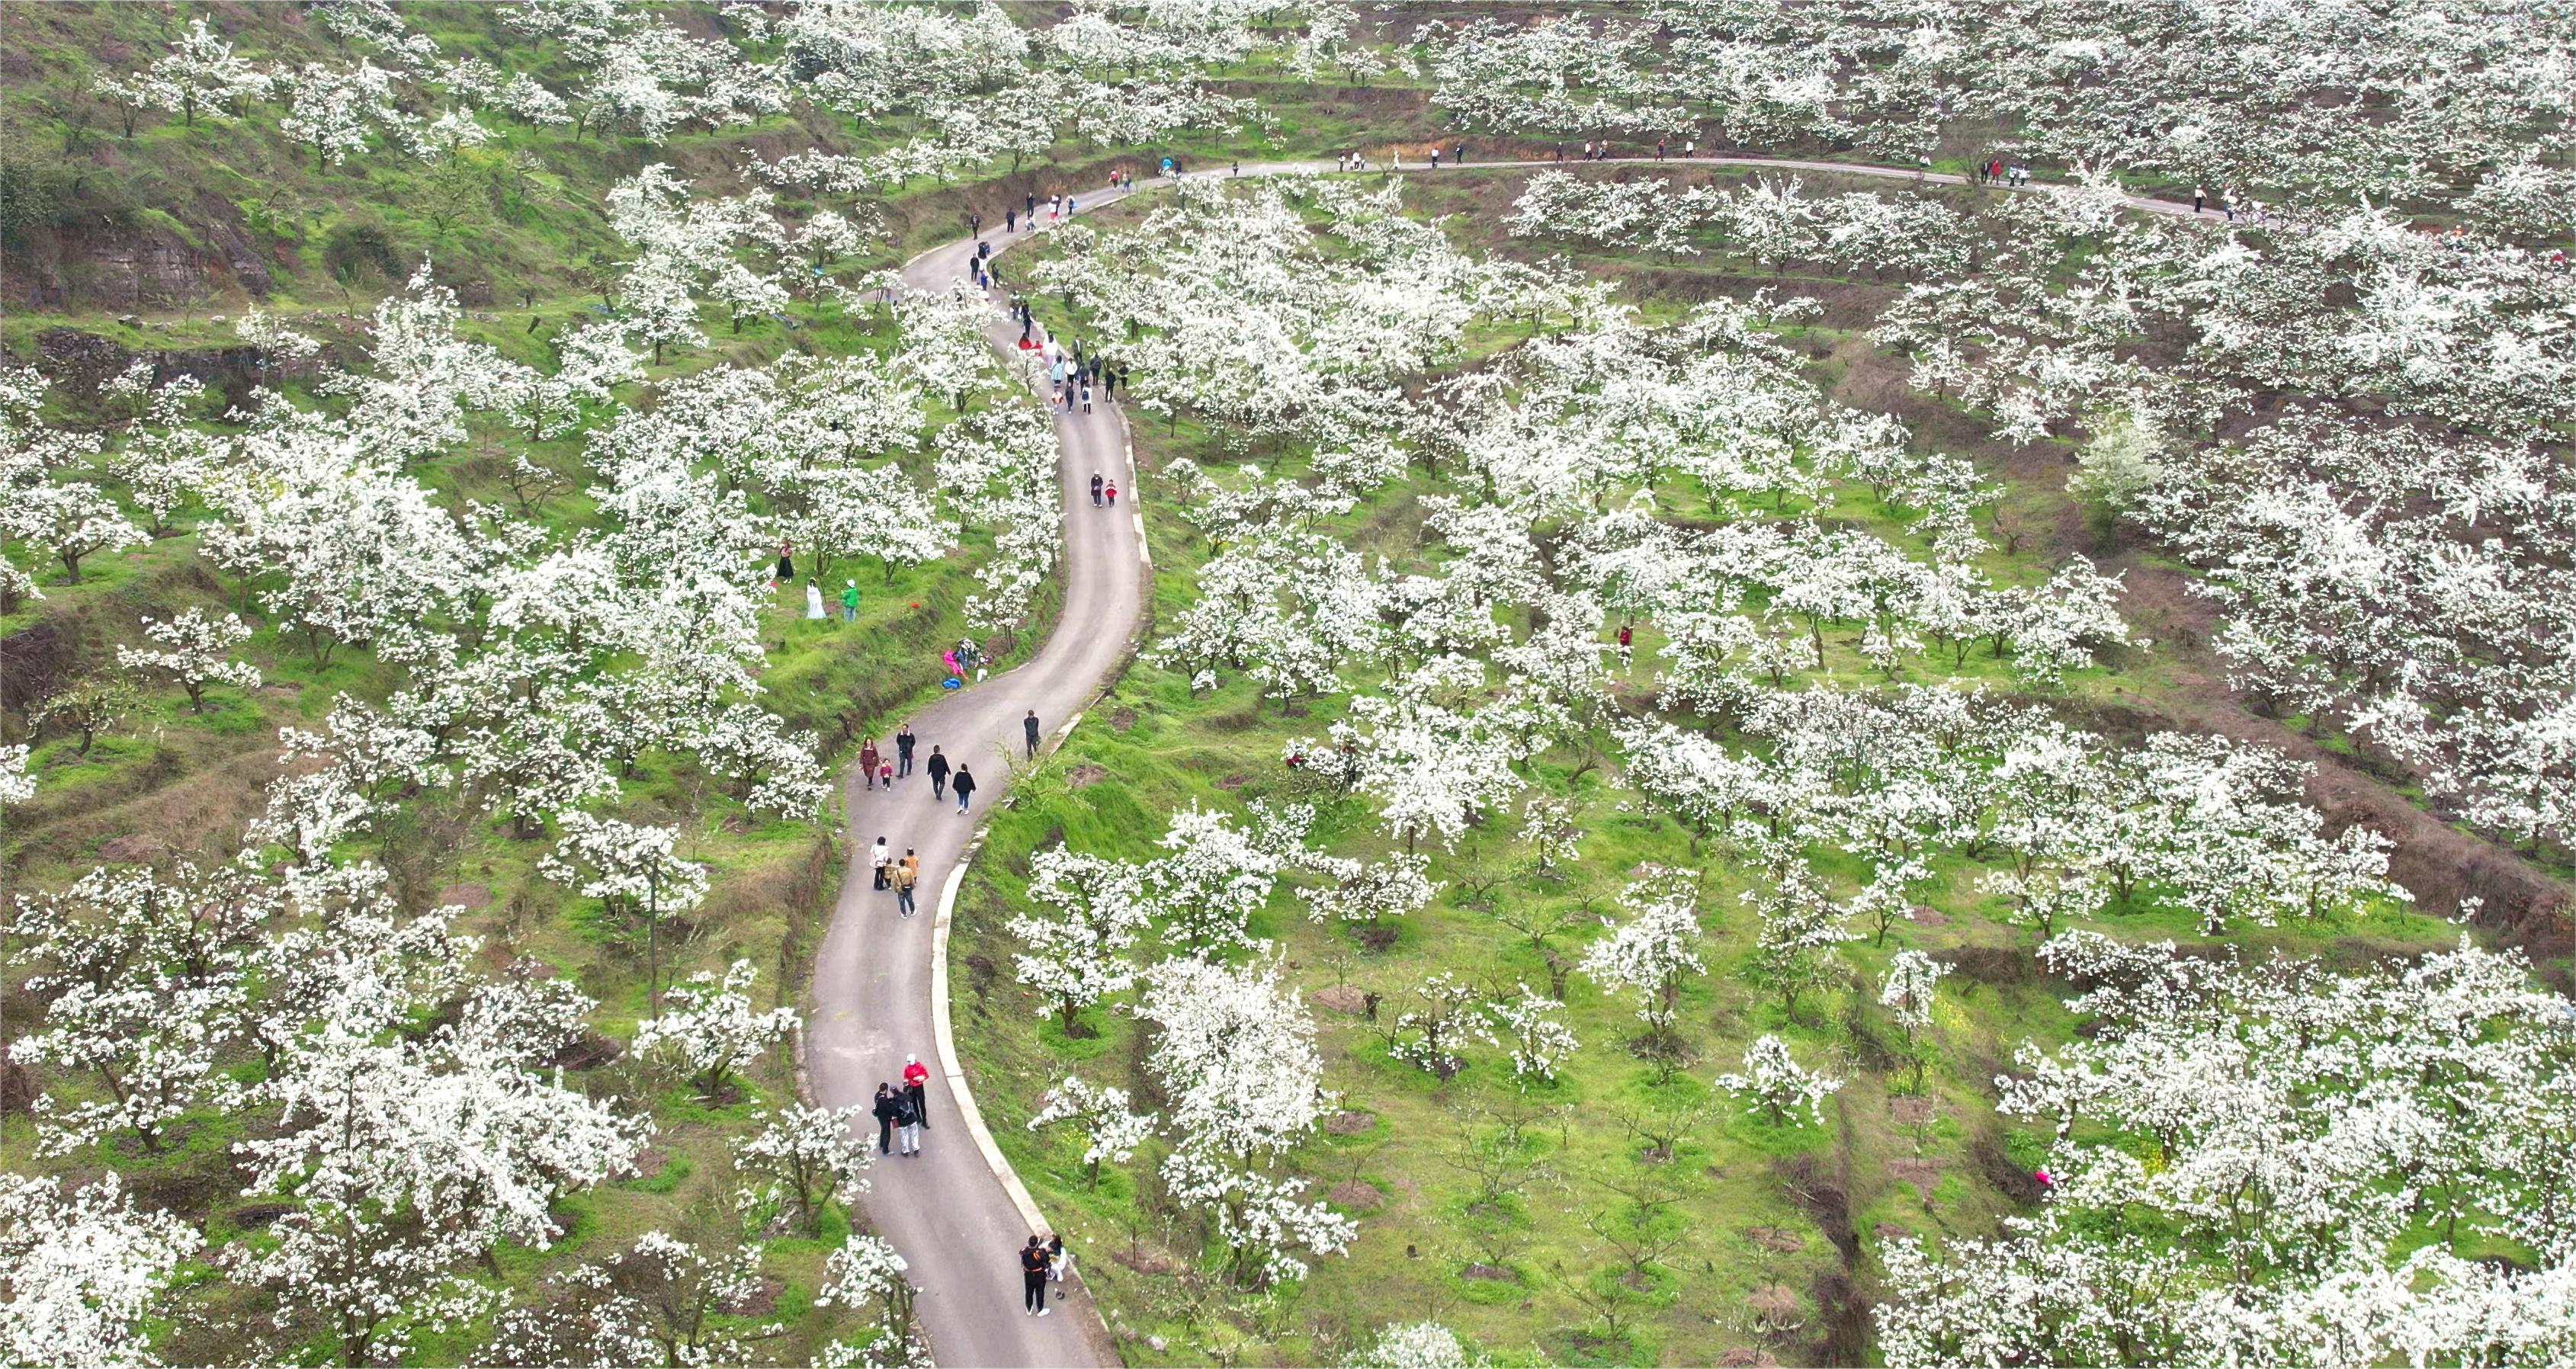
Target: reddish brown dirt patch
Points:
(134, 847)
(465, 896)
(1356, 1196)
(1085, 775)
(1340, 998)
(1925, 1175)
(1146, 1261)
(1349, 1123)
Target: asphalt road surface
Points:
(945, 1211)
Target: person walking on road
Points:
(1029, 726)
(868, 757)
(907, 879)
(1112, 492)
(965, 787)
(1033, 1278)
(888, 1107)
(903, 742)
(881, 860)
(937, 768)
(916, 1087)
(1095, 489)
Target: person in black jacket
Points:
(937, 768)
(1029, 726)
(1033, 1278)
(885, 1111)
(903, 740)
(965, 787)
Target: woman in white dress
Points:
(813, 600)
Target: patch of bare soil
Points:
(1341, 998)
(1347, 1123)
(1085, 775)
(1776, 1239)
(1355, 1195)
(1146, 1261)
(1489, 1273)
(132, 848)
(1923, 1174)
(465, 896)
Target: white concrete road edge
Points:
(946, 1039)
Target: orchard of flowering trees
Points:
(1820, 761)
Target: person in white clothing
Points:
(813, 600)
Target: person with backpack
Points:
(907, 879)
(887, 1107)
(1033, 1278)
(916, 1087)
(907, 1125)
(937, 768)
(965, 787)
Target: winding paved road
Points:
(874, 999)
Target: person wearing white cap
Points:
(916, 1078)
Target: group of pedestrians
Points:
(1073, 374)
(1995, 171)
(903, 1114)
(814, 610)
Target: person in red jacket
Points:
(916, 1078)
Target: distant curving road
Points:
(873, 1000)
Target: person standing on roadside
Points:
(903, 741)
(1010, 221)
(1033, 1278)
(907, 1121)
(937, 768)
(965, 787)
(1029, 727)
(916, 1086)
(886, 1109)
